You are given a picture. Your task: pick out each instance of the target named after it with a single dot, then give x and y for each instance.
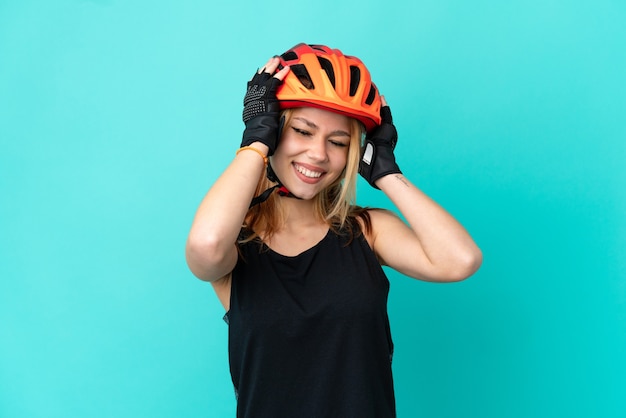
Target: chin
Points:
(305, 194)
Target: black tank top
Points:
(309, 335)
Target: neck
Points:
(299, 212)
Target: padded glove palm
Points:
(377, 159)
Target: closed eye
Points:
(338, 143)
(301, 131)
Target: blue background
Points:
(116, 117)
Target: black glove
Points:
(261, 110)
(377, 159)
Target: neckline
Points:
(308, 250)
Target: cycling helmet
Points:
(325, 78)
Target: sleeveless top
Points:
(309, 335)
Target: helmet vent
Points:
(371, 95)
(328, 67)
(355, 78)
(289, 56)
(300, 71)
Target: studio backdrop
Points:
(117, 116)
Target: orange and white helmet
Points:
(325, 78)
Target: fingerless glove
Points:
(377, 158)
(261, 111)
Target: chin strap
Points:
(282, 190)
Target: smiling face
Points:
(313, 151)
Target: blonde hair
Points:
(334, 205)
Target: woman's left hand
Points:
(377, 159)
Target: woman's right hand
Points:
(261, 108)
(211, 246)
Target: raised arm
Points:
(434, 246)
(211, 250)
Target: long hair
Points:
(335, 205)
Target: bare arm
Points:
(211, 250)
(433, 247)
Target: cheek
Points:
(339, 160)
(278, 163)
(286, 145)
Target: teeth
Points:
(307, 172)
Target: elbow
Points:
(467, 264)
(452, 269)
(199, 249)
(204, 256)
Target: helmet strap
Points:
(282, 190)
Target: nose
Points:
(317, 150)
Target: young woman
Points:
(296, 264)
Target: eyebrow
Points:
(314, 126)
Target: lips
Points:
(308, 173)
